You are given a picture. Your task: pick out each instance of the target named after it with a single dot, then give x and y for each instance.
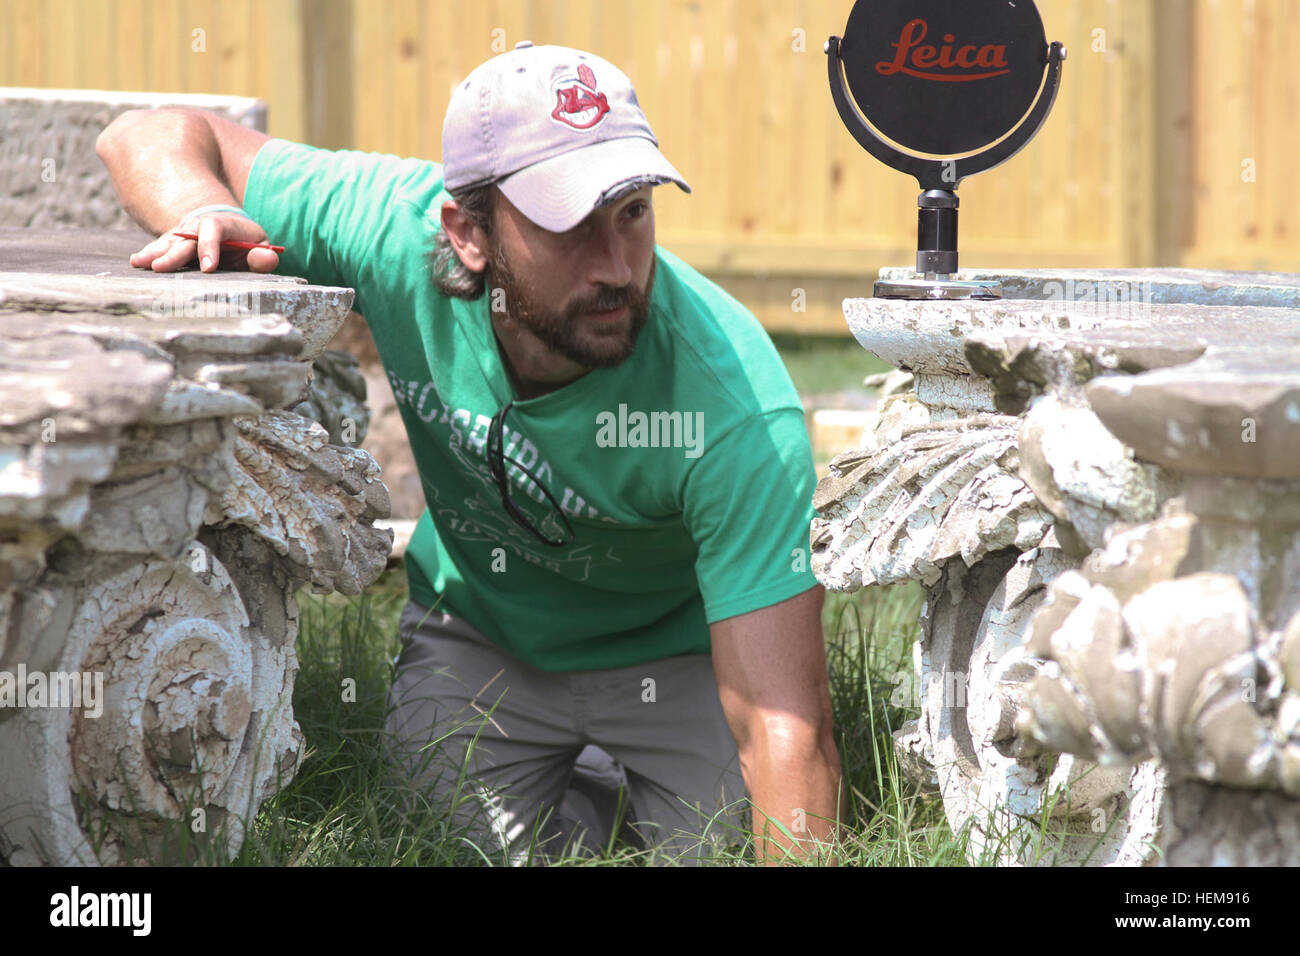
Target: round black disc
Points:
(944, 76)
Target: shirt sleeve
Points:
(333, 211)
(748, 505)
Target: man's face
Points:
(584, 293)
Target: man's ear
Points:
(468, 239)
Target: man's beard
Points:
(590, 342)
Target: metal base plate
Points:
(920, 288)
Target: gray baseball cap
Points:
(558, 130)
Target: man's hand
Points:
(771, 670)
(167, 163)
(168, 252)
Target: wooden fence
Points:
(1170, 143)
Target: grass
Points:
(868, 644)
(344, 807)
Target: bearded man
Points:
(615, 462)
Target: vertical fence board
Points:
(58, 38)
(405, 94)
(282, 53)
(1137, 185)
(1173, 133)
(373, 76)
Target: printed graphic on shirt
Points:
(482, 518)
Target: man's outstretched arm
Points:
(771, 671)
(167, 163)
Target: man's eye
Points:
(638, 209)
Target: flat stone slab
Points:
(1211, 389)
(70, 251)
(932, 337)
(90, 341)
(1140, 286)
(85, 270)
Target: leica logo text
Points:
(923, 61)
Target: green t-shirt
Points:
(667, 539)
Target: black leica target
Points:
(941, 90)
(942, 77)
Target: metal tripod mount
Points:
(942, 113)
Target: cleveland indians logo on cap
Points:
(579, 105)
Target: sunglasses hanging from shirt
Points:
(497, 461)
(941, 90)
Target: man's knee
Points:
(706, 824)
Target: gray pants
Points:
(574, 755)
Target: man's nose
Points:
(609, 257)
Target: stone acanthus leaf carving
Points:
(927, 492)
(1080, 472)
(312, 502)
(338, 398)
(1142, 662)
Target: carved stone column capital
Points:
(159, 504)
(1115, 459)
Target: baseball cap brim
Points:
(560, 192)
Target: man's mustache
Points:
(607, 299)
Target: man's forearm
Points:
(164, 163)
(802, 795)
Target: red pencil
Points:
(234, 243)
